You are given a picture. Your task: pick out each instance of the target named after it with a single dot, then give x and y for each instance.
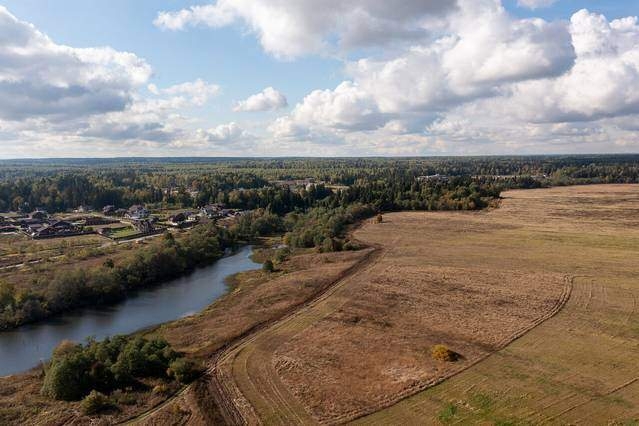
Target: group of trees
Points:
(325, 228)
(114, 363)
(155, 263)
(386, 183)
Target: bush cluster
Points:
(75, 370)
(324, 228)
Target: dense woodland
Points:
(59, 185)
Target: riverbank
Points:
(254, 297)
(106, 275)
(25, 347)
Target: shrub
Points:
(94, 403)
(183, 370)
(268, 266)
(67, 377)
(74, 370)
(123, 398)
(442, 353)
(282, 254)
(160, 389)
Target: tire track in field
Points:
(233, 407)
(272, 396)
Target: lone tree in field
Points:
(379, 218)
(442, 353)
(268, 266)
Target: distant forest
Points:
(385, 183)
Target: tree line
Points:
(158, 262)
(59, 185)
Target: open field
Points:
(472, 281)
(580, 367)
(341, 337)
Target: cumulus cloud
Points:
(536, 4)
(39, 78)
(197, 92)
(604, 82)
(489, 83)
(290, 29)
(479, 53)
(268, 99)
(225, 133)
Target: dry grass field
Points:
(579, 367)
(538, 297)
(474, 282)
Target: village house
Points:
(177, 219)
(53, 228)
(432, 178)
(39, 214)
(184, 219)
(137, 212)
(212, 211)
(97, 220)
(108, 210)
(296, 183)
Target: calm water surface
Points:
(27, 346)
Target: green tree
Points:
(268, 266)
(67, 377)
(183, 370)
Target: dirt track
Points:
(473, 281)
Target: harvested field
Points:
(474, 282)
(580, 367)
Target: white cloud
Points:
(290, 29)
(39, 78)
(479, 53)
(604, 82)
(226, 133)
(268, 99)
(346, 107)
(536, 4)
(198, 92)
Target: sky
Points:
(307, 78)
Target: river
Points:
(27, 346)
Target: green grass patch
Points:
(124, 233)
(447, 413)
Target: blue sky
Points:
(225, 56)
(336, 105)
